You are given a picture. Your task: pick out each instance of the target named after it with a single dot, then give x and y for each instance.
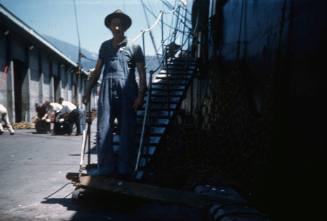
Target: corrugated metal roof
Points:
(34, 34)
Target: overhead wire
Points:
(150, 31)
(78, 34)
(155, 16)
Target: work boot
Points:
(1, 132)
(11, 130)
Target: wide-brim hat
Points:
(127, 21)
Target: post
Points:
(143, 42)
(89, 134)
(176, 25)
(182, 44)
(162, 34)
(146, 110)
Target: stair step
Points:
(170, 82)
(139, 174)
(179, 71)
(151, 140)
(162, 109)
(158, 122)
(164, 98)
(149, 150)
(174, 77)
(172, 89)
(143, 162)
(183, 61)
(157, 130)
(153, 130)
(180, 66)
(156, 114)
(165, 93)
(176, 72)
(153, 121)
(161, 106)
(172, 100)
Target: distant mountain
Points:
(71, 51)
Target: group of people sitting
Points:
(63, 114)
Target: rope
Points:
(148, 29)
(155, 16)
(150, 32)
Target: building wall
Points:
(46, 88)
(34, 83)
(20, 104)
(3, 67)
(265, 96)
(63, 82)
(39, 72)
(69, 86)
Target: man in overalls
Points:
(120, 97)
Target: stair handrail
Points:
(163, 62)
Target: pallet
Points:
(143, 191)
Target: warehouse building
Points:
(32, 70)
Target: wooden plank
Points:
(149, 192)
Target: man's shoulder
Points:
(106, 43)
(133, 47)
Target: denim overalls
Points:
(117, 94)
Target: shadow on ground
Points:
(96, 205)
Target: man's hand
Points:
(138, 102)
(94, 76)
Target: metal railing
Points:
(163, 61)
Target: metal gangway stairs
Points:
(163, 99)
(167, 84)
(167, 87)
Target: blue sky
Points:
(56, 18)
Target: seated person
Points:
(50, 108)
(41, 126)
(71, 113)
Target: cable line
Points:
(78, 35)
(150, 32)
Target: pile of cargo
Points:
(23, 125)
